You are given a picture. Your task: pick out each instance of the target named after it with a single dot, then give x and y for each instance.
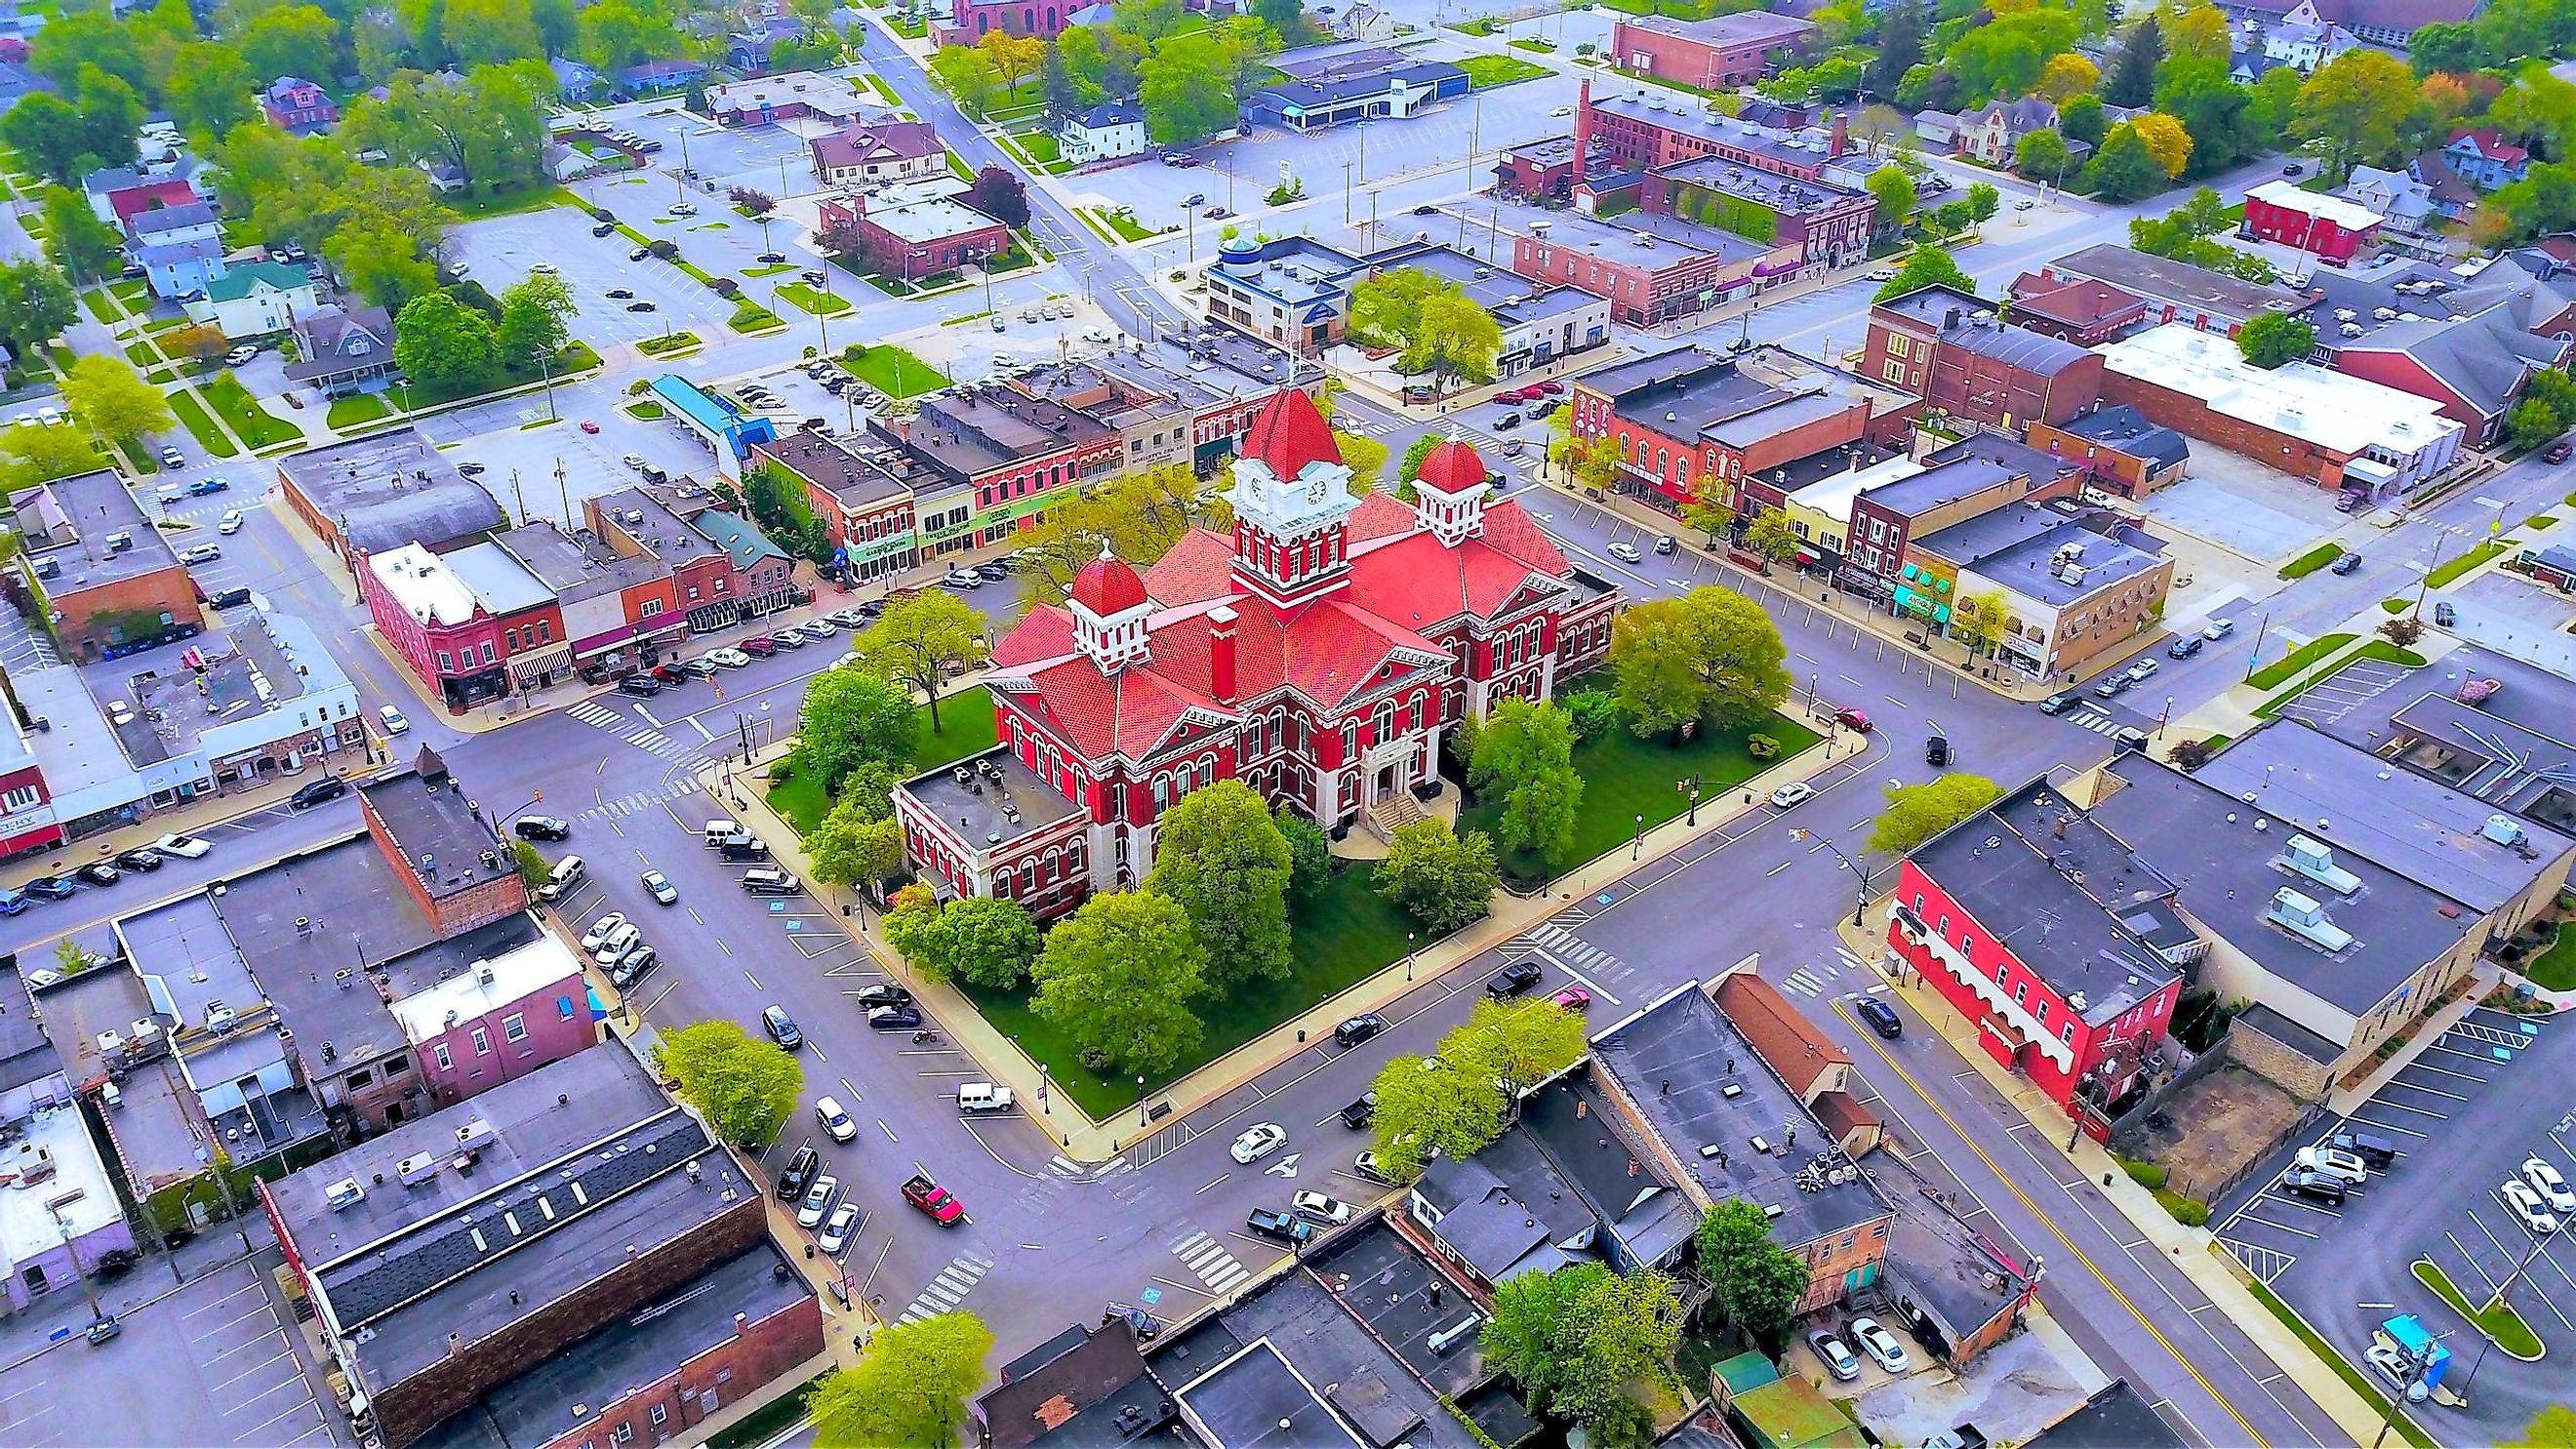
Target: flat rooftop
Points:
(1971, 324)
(979, 427)
(929, 219)
(84, 762)
(2333, 410)
(848, 473)
(1631, 239)
(1512, 298)
(250, 663)
(81, 1191)
(2083, 911)
(1676, 1058)
(307, 932)
(1257, 1400)
(1699, 390)
(439, 831)
(2198, 288)
(2031, 568)
(2204, 840)
(981, 807)
(391, 488)
(188, 960)
(644, 521)
(71, 522)
(1783, 195)
(1340, 1363)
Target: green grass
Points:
(256, 425)
(646, 410)
(2496, 1319)
(877, 83)
(2311, 561)
(910, 27)
(1533, 43)
(516, 200)
(1125, 225)
(778, 270)
(1344, 937)
(200, 426)
(1625, 777)
(2395, 606)
(2379, 649)
(2287, 668)
(814, 301)
(2352, 1377)
(957, 165)
(356, 408)
(750, 317)
(98, 309)
(769, 1420)
(893, 371)
(2465, 562)
(969, 317)
(1039, 147)
(2555, 968)
(1484, 72)
(1478, 26)
(2540, 520)
(966, 728)
(665, 346)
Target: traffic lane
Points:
(241, 845)
(2214, 1384)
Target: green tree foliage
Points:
(1310, 855)
(1526, 755)
(86, 35)
(536, 313)
(36, 304)
(2124, 169)
(441, 341)
(615, 34)
(2004, 57)
(853, 845)
(1583, 1342)
(2130, 80)
(1437, 876)
(2215, 112)
(106, 395)
(210, 90)
(2081, 119)
(1441, 329)
(1901, 32)
(991, 941)
(1710, 658)
(1517, 1043)
(1897, 196)
(533, 869)
(45, 130)
(298, 40)
(1137, 515)
(1983, 200)
(2444, 46)
(909, 1390)
(1772, 536)
(1119, 976)
(1757, 1281)
(1425, 1105)
(2531, 422)
(2354, 105)
(1414, 452)
(916, 926)
(1925, 266)
(851, 717)
(1064, 98)
(2186, 234)
(2552, 1428)
(2271, 339)
(29, 456)
(1190, 86)
(1709, 517)
(110, 114)
(1916, 813)
(493, 32)
(744, 1086)
(1218, 855)
(2042, 156)
(918, 642)
(491, 125)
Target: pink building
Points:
(500, 1021)
(2331, 227)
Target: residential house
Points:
(1993, 134)
(1364, 22)
(1720, 53)
(117, 193)
(2406, 202)
(2303, 47)
(179, 247)
(1948, 348)
(878, 153)
(574, 80)
(2074, 309)
(2481, 156)
(256, 298)
(343, 349)
(2452, 196)
(1106, 132)
(655, 76)
(297, 105)
(2334, 229)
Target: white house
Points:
(256, 298)
(2305, 47)
(1104, 133)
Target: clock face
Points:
(1315, 489)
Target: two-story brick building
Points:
(2334, 229)
(1693, 425)
(1014, 454)
(2078, 588)
(112, 580)
(1720, 53)
(1826, 225)
(297, 105)
(1949, 348)
(383, 491)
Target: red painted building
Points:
(1951, 350)
(2329, 226)
(1045, 19)
(1317, 655)
(1722, 52)
(26, 803)
(2038, 925)
(915, 239)
(456, 618)
(1693, 425)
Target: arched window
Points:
(1350, 738)
(1382, 724)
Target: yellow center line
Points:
(2059, 1233)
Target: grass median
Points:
(2311, 561)
(892, 370)
(2496, 1319)
(2281, 671)
(2461, 565)
(2352, 1377)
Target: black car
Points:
(145, 859)
(603, 228)
(2346, 564)
(1936, 751)
(2309, 1182)
(904, 1017)
(1882, 1018)
(1507, 422)
(640, 307)
(748, 848)
(799, 1174)
(1426, 209)
(51, 887)
(1512, 980)
(884, 993)
(317, 792)
(1287, 1228)
(2061, 702)
(781, 1027)
(232, 598)
(472, 470)
(542, 827)
(1358, 1029)
(770, 259)
(620, 294)
(98, 873)
(643, 686)
(1357, 1115)
(632, 971)
(2186, 646)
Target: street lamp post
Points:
(1408, 955)
(1860, 903)
(1638, 844)
(1142, 1118)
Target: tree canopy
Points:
(2272, 339)
(1710, 658)
(1583, 1342)
(745, 1087)
(36, 304)
(1759, 1282)
(107, 395)
(1525, 754)
(909, 1389)
(1922, 267)
(1221, 858)
(1120, 976)
(1439, 327)
(1916, 813)
(921, 640)
(1437, 876)
(851, 717)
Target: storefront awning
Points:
(529, 667)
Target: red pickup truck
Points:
(934, 1201)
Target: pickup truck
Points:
(933, 1201)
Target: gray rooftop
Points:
(1341, 1361)
(189, 960)
(246, 671)
(440, 832)
(1255, 1400)
(1941, 485)
(1676, 1058)
(1569, 1119)
(840, 468)
(2290, 1034)
(1959, 1273)
(389, 489)
(2497, 760)
(2227, 874)
(652, 527)
(1785, 195)
(573, 566)
(1699, 390)
(1511, 298)
(1507, 1210)
(2031, 567)
(1954, 316)
(94, 505)
(2161, 279)
(1368, 81)
(2125, 429)
(978, 807)
(1382, 1279)
(2351, 799)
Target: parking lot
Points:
(210, 1364)
(2351, 688)
(2464, 1115)
(504, 248)
(2259, 512)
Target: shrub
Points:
(725, 287)
(2192, 754)
(664, 249)
(1762, 747)
(2145, 1174)
(601, 213)
(2403, 630)
(2191, 1212)
(1594, 713)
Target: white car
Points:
(2544, 1179)
(601, 929)
(1623, 552)
(729, 658)
(171, 457)
(395, 724)
(1322, 1207)
(835, 1121)
(835, 1237)
(201, 553)
(2526, 1206)
(1880, 1345)
(231, 523)
(627, 940)
(240, 355)
(2218, 629)
(961, 580)
(187, 847)
(818, 1201)
(1562, 111)
(633, 460)
(2335, 1162)
(1258, 1141)
(1796, 792)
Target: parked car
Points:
(642, 686)
(835, 1237)
(836, 1123)
(2114, 685)
(894, 1018)
(98, 873)
(201, 553)
(788, 638)
(187, 847)
(1837, 1359)
(1623, 552)
(2544, 1180)
(317, 792)
(52, 887)
(1512, 980)
(1573, 998)
(1360, 1112)
(621, 945)
(1257, 1142)
(602, 930)
(1366, 1165)
(1358, 1029)
(2144, 669)
(140, 858)
(1880, 1345)
(818, 1201)
(2395, 1367)
(637, 965)
(2526, 1205)
(1796, 792)
(2342, 1164)
(564, 879)
(729, 658)
(2378, 1152)
(1287, 1228)
(1880, 1016)
(1854, 720)
(800, 1172)
(1321, 1207)
(882, 994)
(230, 523)
(2316, 1186)
(781, 1027)
(758, 646)
(2186, 646)
(2218, 629)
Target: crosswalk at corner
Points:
(641, 800)
(948, 1287)
(1210, 1263)
(1602, 967)
(2095, 720)
(646, 738)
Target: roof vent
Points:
(2301, 916)
(2502, 829)
(2311, 858)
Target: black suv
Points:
(799, 1174)
(1287, 1228)
(2308, 1182)
(781, 1027)
(317, 792)
(1512, 980)
(2061, 702)
(1882, 1018)
(641, 685)
(1358, 1029)
(542, 827)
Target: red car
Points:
(2559, 452)
(588, 426)
(759, 646)
(1853, 720)
(1552, 388)
(1573, 998)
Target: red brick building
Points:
(451, 860)
(1724, 52)
(2074, 309)
(1949, 348)
(1650, 268)
(2334, 229)
(914, 239)
(1692, 425)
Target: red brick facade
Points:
(1968, 382)
(1711, 54)
(705, 1385)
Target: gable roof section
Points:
(1778, 1031)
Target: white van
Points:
(720, 831)
(973, 1097)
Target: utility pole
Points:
(564, 492)
(519, 496)
(1860, 905)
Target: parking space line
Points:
(228, 1323)
(308, 1403)
(2385, 1126)
(2433, 1091)
(2425, 1066)
(282, 1352)
(2284, 1227)
(2418, 1111)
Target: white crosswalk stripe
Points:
(2100, 724)
(1805, 982)
(591, 713)
(642, 800)
(948, 1287)
(1208, 1259)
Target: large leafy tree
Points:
(1425, 1103)
(536, 313)
(1119, 977)
(2165, 140)
(29, 456)
(493, 32)
(1310, 855)
(2124, 169)
(441, 342)
(1517, 1043)
(2215, 113)
(45, 130)
(1220, 857)
(85, 245)
(110, 114)
(1710, 657)
(1897, 195)
(850, 718)
(909, 1389)
(853, 845)
(1583, 1342)
(80, 36)
(918, 642)
(991, 942)
(1901, 32)
(298, 40)
(999, 194)
(969, 76)
(490, 125)
(111, 399)
(1758, 1282)
(1440, 327)
(1437, 876)
(1187, 85)
(1916, 813)
(2354, 105)
(210, 90)
(1925, 266)
(615, 34)
(2042, 156)
(1138, 516)
(1772, 536)
(2131, 79)
(2273, 339)
(1526, 755)
(745, 1087)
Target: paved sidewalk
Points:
(2193, 1250)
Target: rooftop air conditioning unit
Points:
(343, 1195)
(416, 1169)
(219, 1017)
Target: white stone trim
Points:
(1999, 1001)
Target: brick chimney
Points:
(1582, 129)
(1221, 621)
(1839, 140)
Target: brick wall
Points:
(2187, 416)
(724, 1375)
(2267, 1057)
(141, 606)
(407, 1410)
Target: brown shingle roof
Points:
(1779, 1031)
